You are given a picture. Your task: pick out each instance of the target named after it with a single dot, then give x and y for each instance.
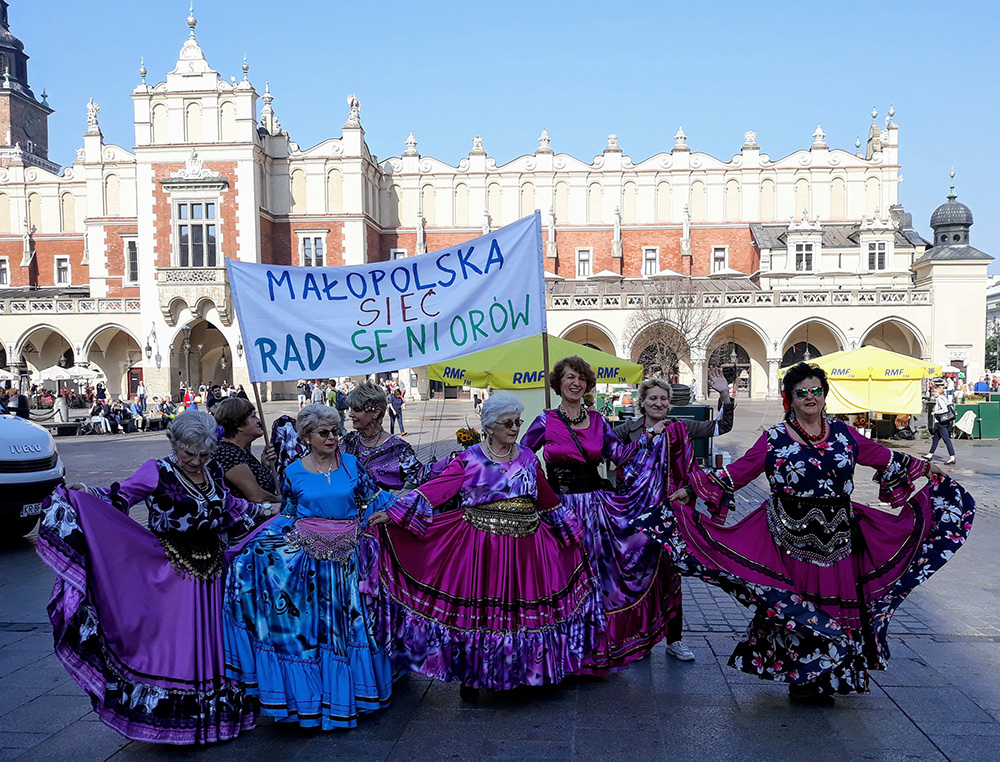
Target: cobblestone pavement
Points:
(939, 699)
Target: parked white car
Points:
(30, 468)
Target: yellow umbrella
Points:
(519, 365)
(870, 379)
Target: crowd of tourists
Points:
(301, 585)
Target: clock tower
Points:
(23, 118)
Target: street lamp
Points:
(239, 347)
(187, 353)
(223, 358)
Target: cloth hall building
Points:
(117, 261)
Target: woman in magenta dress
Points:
(635, 588)
(136, 612)
(822, 575)
(498, 594)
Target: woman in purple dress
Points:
(822, 575)
(389, 458)
(136, 612)
(630, 570)
(498, 594)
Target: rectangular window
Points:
(196, 235)
(803, 257)
(650, 261)
(583, 263)
(397, 253)
(719, 256)
(876, 256)
(62, 271)
(312, 252)
(4, 273)
(131, 262)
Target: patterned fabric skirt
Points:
(491, 611)
(144, 642)
(299, 632)
(815, 624)
(640, 591)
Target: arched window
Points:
(802, 205)
(462, 205)
(227, 118)
(428, 197)
(67, 217)
(663, 202)
(562, 203)
(698, 201)
(112, 193)
(493, 204)
(159, 120)
(732, 202)
(4, 213)
(734, 361)
(630, 200)
(527, 199)
(767, 200)
(35, 212)
(334, 191)
(659, 360)
(873, 196)
(595, 203)
(800, 351)
(838, 199)
(298, 191)
(192, 123)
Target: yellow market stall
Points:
(870, 379)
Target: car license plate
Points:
(31, 509)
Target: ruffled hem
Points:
(139, 708)
(492, 659)
(793, 640)
(329, 693)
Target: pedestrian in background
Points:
(396, 406)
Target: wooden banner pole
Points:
(260, 412)
(545, 364)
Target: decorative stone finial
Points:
(267, 97)
(192, 21)
(680, 138)
(142, 69)
(951, 193)
(612, 146)
(819, 137)
(245, 67)
(411, 146)
(477, 149)
(486, 221)
(45, 97)
(857, 142)
(890, 115)
(544, 140)
(93, 109)
(874, 113)
(354, 104)
(750, 139)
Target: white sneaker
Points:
(679, 650)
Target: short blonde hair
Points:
(648, 384)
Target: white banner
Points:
(318, 322)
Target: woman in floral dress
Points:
(822, 575)
(135, 612)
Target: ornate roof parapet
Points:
(805, 225)
(196, 173)
(876, 224)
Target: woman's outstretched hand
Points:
(379, 517)
(680, 496)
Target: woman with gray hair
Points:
(298, 624)
(497, 594)
(389, 458)
(135, 612)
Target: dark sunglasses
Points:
(515, 424)
(326, 433)
(815, 391)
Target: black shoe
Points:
(468, 693)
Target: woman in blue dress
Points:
(298, 624)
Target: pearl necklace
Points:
(573, 421)
(496, 457)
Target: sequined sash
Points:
(817, 530)
(325, 539)
(516, 517)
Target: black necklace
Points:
(573, 421)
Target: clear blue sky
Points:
(449, 71)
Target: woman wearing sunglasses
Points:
(821, 574)
(495, 595)
(298, 625)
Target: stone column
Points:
(773, 384)
(698, 368)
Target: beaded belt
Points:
(516, 517)
(575, 478)
(193, 554)
(817, 530)
(325, 539)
